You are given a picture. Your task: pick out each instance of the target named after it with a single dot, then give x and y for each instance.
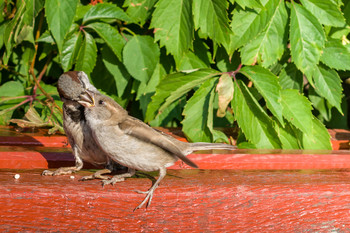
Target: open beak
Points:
(87, 99)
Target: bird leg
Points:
(66, 170)
(119, 178)
(97, 175)
(148, 198)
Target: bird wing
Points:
(142, 131)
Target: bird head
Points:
(72, 83)
(101, 108)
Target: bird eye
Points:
(101, 102)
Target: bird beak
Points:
(87, 99)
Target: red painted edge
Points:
(32, 150)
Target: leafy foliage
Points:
(276, 70)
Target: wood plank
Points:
(186, 200)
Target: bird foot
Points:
(112, 181)
(97, 175)
(60, 171)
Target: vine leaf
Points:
(307, 39)
(215, 23)
(195, 124)
(252, 119)
(328, 85)
(248, 24)
(60, 15)
(173, 25)
(70, 50)
(336, 55)
(327, 12)
(140, 57)
(86, 59)
(318, 138)
(297, 110)
(139, 10)
(270, 44)
(267, 85)
(105, 11)
(111, 36)
(174, 86)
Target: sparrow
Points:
(134, 144)
(70, 86)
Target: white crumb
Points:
(17, 176)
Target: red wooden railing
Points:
(239, 191)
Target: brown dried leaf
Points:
(225, 91)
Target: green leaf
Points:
(291, 78)
(211, 17)
(328, 85)
(111, 36)
(25, 34)
(140, 57)
(86, 59)
(270, 44)
(105, 11)
(173, 25)
(70, 50)
(196, 113)
(173, 86)
(46, 37)
(217, 135)
(199, 58)
(252, 119)
(10, 30)
(326, 11)
(336, 55)
(60, 15)
(139, 10)
(318, 138)
(225, 92)
(247, 24)
(149, 89)
(33, 7)
(306, 39)
(267, 85)
(288, 136)
(11, 88)
(320, 104)
(297, 110)
(116, 69)
(190, 61)
(249, 3)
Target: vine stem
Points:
(31, 70)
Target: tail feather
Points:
(211, 146)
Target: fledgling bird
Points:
(134, 144)
(70, 86)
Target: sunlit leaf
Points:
(252, 119)
(140, 57)
(173, 25)
(86, 59)
(60, 15)
(105, 11)
(196, 113)
(306, 39)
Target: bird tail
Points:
(211, 146)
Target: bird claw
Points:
(60, 171)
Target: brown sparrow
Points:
(70, 85)
(134, 144)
